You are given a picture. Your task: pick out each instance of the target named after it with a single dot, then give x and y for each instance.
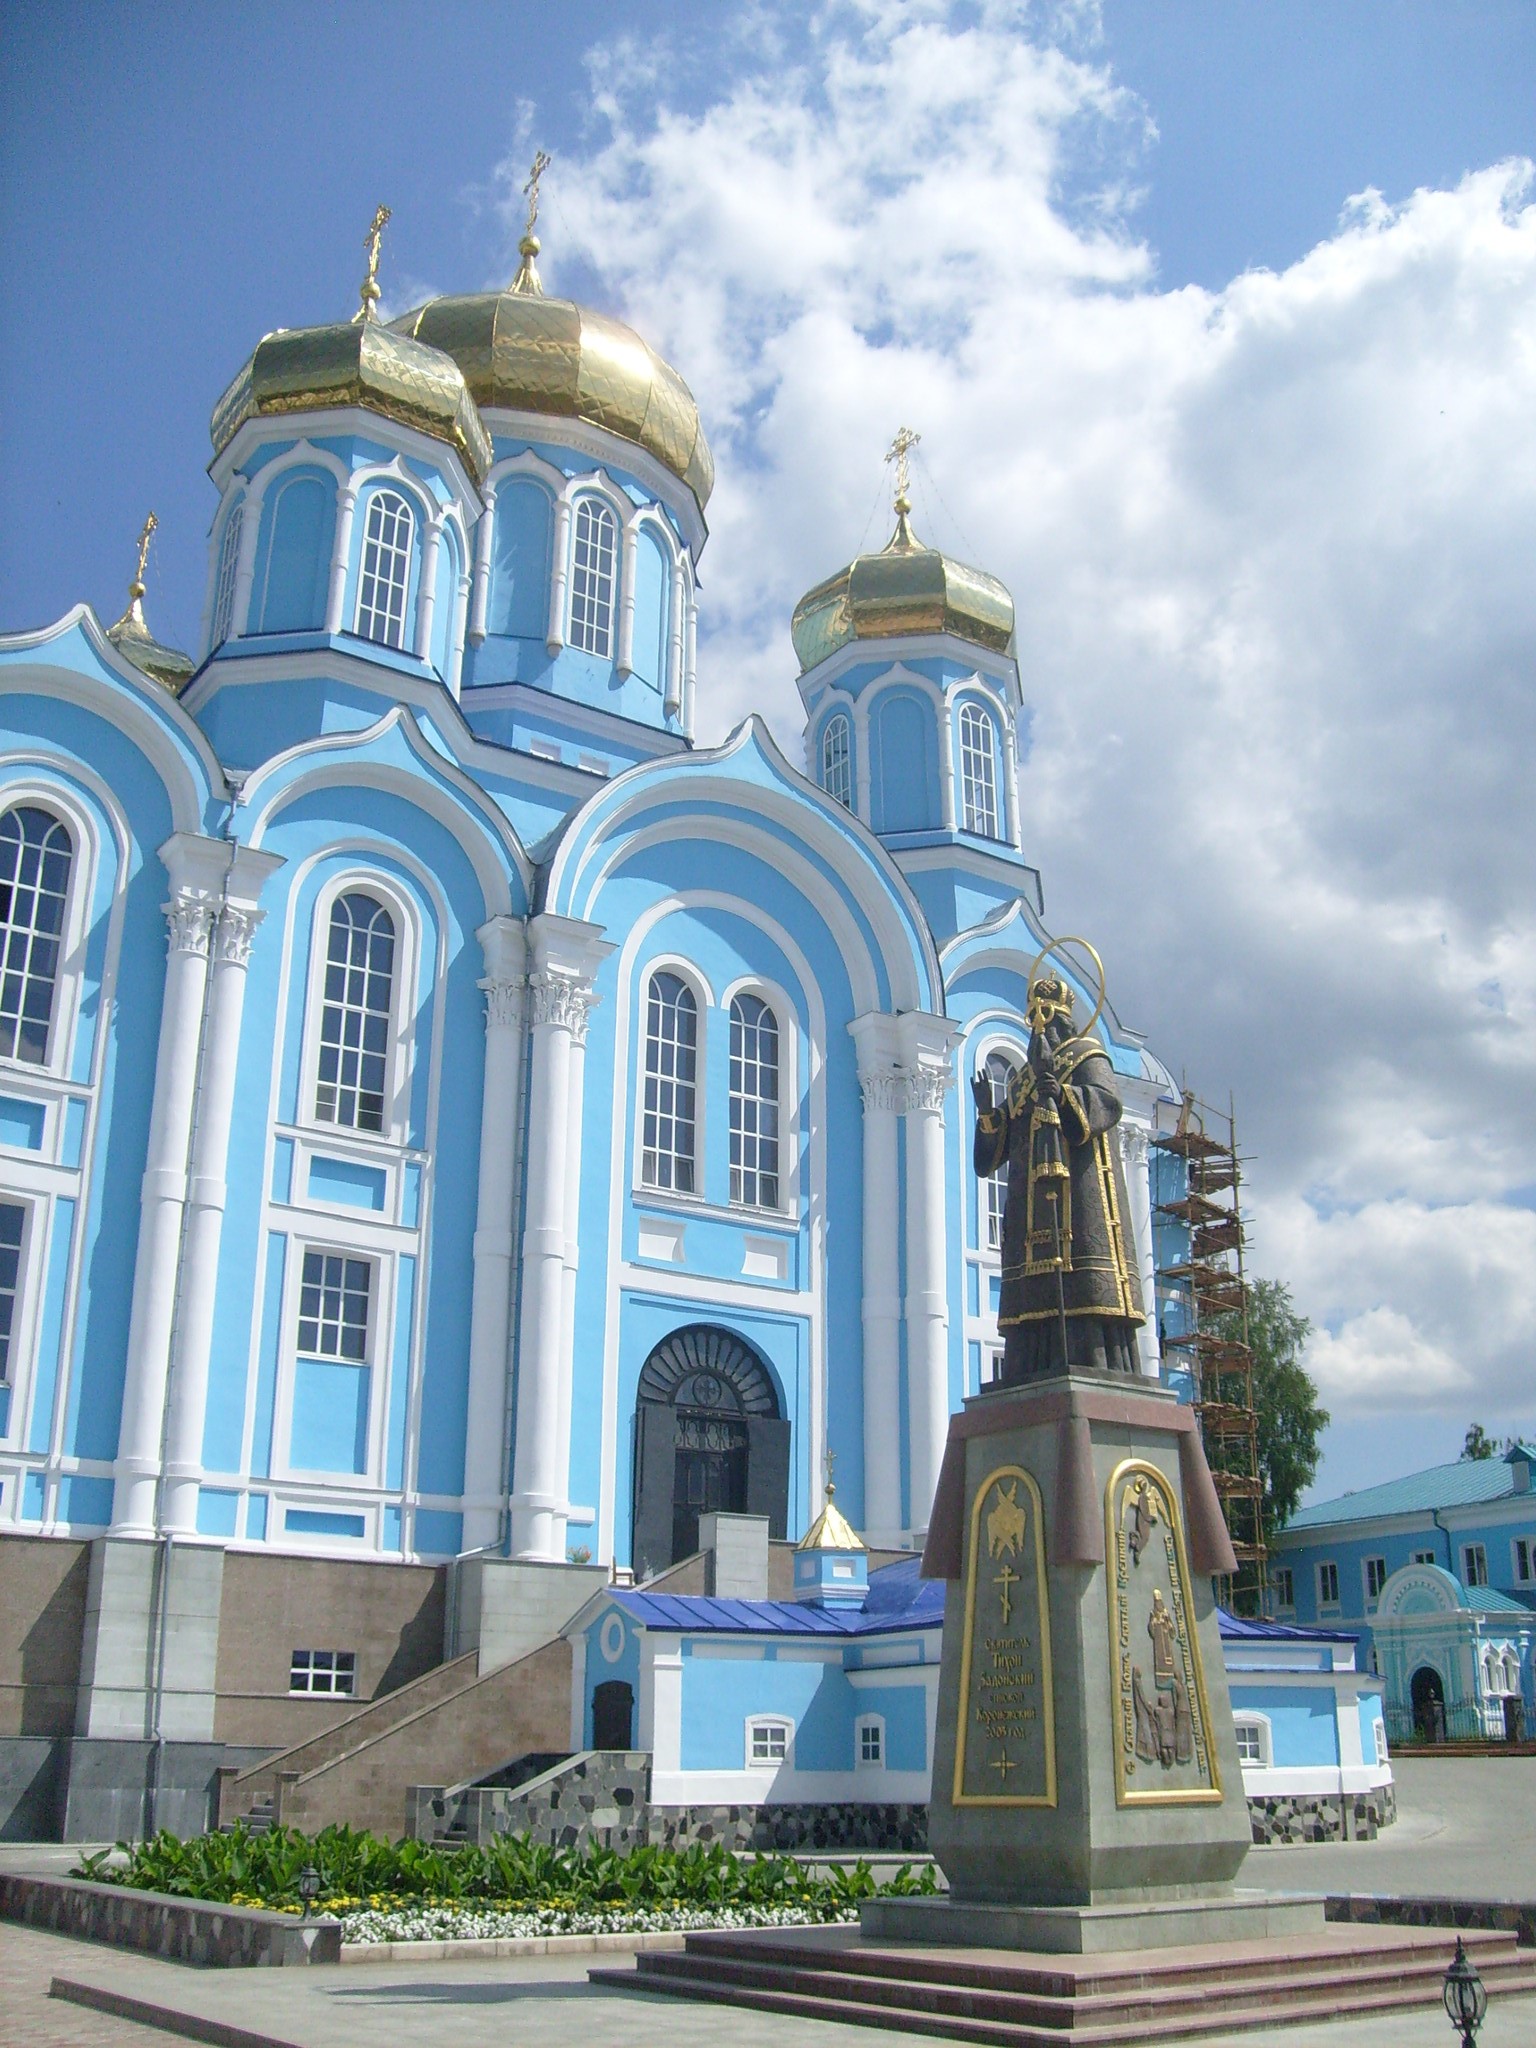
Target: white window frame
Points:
(1286, 1602)
(702, 1005)
(840, 791)
(782, 1725)
(376, 1362)
(1424, 1557)
(749, 991)
(64, 997)
(397, 635)
(875, 1725)
(979, 807)
(594, 504)
(1245, 1722)
(366, 882)
(1372, 1593)
(1379, 1733)
(21, 1300)
(1324, 1599)
(226, 577)
(1474, 1565)
(1522, 1559)
(339, 1664)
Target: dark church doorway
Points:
(1428, 1696)
(613, 1715)
(709, 1439)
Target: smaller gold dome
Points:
(131, 636)
(831, 1530)
(363, 363)
(905, 589)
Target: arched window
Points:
(978, 770)
(994, 1189)
(386, 573)
(754, 1103)
(298, 555)
(224, 581)
(35, 854)
(593, 573)
(671, 1068)
(837, 761)
(357, 1014)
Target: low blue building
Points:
(1436, 1573)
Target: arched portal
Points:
(708, 1439)
(1428, 1696)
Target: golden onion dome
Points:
(905, 589)
(131, 636)
(524, 352)
(362, 363)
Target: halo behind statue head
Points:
(1056, 946)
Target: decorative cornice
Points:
(189, 917)
(503, 1003)
(562, 1000)
(237, 928)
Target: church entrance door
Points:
(709, 1439)
(613, 1715)
(1428, 1696)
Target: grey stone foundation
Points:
(1323, 1817)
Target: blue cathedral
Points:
(445, 1111)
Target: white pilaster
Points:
(862, 774)
(426, 590)
(1011, 782)
(1134, 1157)
(245, 567)
(484, 539)
(676, 607)
(630, 558)
(207, 1188)
(947, 765)
(555, 638)
(455, 675)
(565, 956)
(927, 1053)
(880, 1308)
(336, 591)
(690, 657)
(196, 869)
(490, 1334)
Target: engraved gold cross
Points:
(1007, 1578)
(1003, 1764)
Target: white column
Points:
(336, 592)
(690, 657)
(426, 589)
(880, 1308)
(928, 1060)
(196, 868)
(207, 1189)
(565, 957)
(490, 1333)
(485, 534)
(1011, 783)
(1134, 1158)
(245, 566)
(630, 560)
(947, 766)
(676, 600)
(555, 638)
(455, 675)
(862, 774)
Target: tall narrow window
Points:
(35, 855)
(13, 1219)
(837, 761)
(334, 1294)
(994, 1189)
(386, 569)
(592, 578)
(978, 770)
(356, 1016)
(671, 1065)
(754, 1103)
(224, 582)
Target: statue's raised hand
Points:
(981, 1092)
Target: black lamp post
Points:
(309, 1891)
(1465, 1998)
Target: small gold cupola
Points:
(831, 1562)
(131, 636)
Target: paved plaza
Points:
(1464, 1830)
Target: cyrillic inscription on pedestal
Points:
(1005, 1735)
(1163, 1751)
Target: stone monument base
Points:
(1094, 1930)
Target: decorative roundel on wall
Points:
(610, 1639)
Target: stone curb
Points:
(158, 1924)
(190, 2026)
(495, 1948)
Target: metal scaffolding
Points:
(1202, 1313)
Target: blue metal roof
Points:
(1467, 1483)
(898, 1598)
(1235, 1629)
(1485, 1600)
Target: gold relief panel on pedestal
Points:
(1162, 1721)
(1005, 1732)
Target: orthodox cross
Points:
(898, 452)
(1007, 1578)
(830, 1461)
(1003, 1764)
(149, 526)
(370, 291)
(539, 166)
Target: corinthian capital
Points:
(237, 928)
(562, 1000)
(927, 1087)
(884, 1092)
(189, 919)
(1133, 1145)
(503, 1002)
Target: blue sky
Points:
(1218, 324)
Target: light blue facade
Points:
(253, 1308)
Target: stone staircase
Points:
(1016, 2000)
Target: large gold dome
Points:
(308, 369)
(524, 352)
(905, 589)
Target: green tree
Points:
(1478, 1444)
(1290, 1422)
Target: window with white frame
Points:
(992, 1364)
(837, 760)
(671, 1078)
(754, 1103)
(224, 581)
(1379, 1729)
(1285, 1586)
(870, 1738)
(1252, 1740)
(1474, 1564)
(978, 770)
(326, 1671)
(13, 1225)
(768, 1742)
(992, 1193)
(1328, 1585)
(357, 1014)
(335, 1300)
(386, 569)
(1375, 1577)
(1511, 1672)
(1423, 1557)
(1525, 1558)
(594, 572)
(35, 858)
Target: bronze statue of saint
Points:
(1071, 1292)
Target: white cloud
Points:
(1271, 549)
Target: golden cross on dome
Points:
(137, 587)
(830, 1461)
(370, 290)
(536, 171)
(898, 452)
